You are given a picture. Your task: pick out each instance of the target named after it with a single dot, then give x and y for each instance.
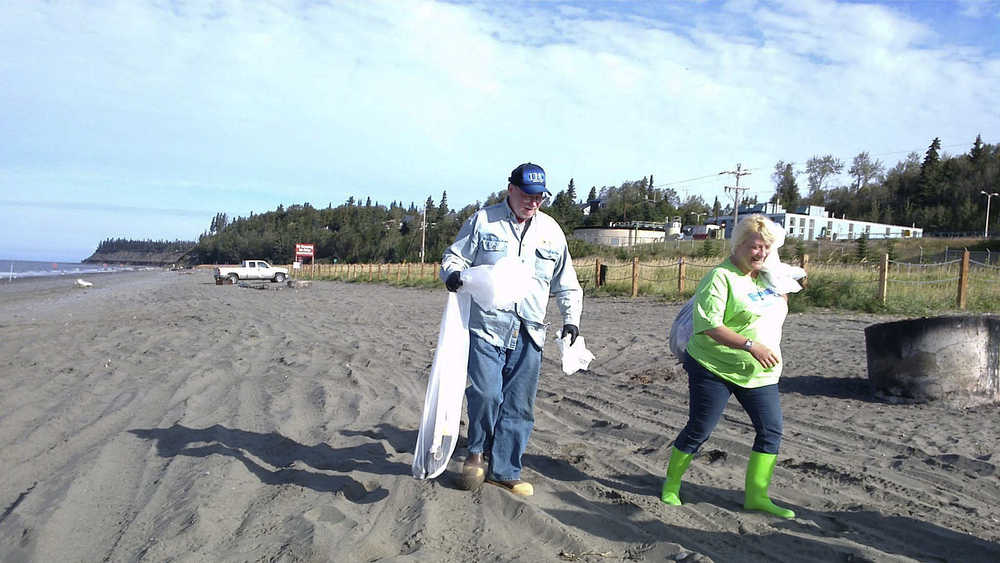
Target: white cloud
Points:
(979, 8)
(260, 104)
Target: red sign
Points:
(304, 250)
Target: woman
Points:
(734, 351)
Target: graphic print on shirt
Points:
(492, 248)
(761, 300)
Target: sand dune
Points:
(156, 416)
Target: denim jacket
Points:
(493, 233)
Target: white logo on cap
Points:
(536, 177)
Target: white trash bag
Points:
(682, 330)
(575, 357)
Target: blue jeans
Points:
(501, 401)
(708, 395)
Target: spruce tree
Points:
(707, 249)
(443, 206)
(862, 248)
(930, 182)
(786, 189)
(976, 154)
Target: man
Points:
(505, 346)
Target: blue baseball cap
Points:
(530, 178)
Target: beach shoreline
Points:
(158, 416)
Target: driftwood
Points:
(951, 358)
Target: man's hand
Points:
(573, 331)
(454, 281)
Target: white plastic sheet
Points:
(575, 357)
(781, 277)
(498, 286)
(776, 274)
(439, 425)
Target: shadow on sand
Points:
(260, 452)
(836, 387)
(872, 534)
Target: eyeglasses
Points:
(533, 198)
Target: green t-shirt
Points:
(727, 296)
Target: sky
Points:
(143, 119)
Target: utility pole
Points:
(423, 231)
(986, 230)
(737, 190)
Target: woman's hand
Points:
(729, 337)
(763, 355)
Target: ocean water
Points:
(19, 269)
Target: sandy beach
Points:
(158, 417)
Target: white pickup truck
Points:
(251, 270)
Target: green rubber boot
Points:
(679, 462)
(759, 471)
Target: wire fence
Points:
(954, 284)
(962, 284)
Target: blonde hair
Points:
(756, 223)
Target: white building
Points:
(814, 222)
(630, 233)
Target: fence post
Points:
(804, 264)
(407, 271)
(681, 267)
(597, 272)
(399, 272)
(883, 279)
(635, 276)
(963, 280)
(371, 271)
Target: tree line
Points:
(356, 232)
(351, 232)
(111, 245)
(937, 193)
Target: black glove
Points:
(454, 281)
(571, 330)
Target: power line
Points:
(886, 153)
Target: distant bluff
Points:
(141, 253)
